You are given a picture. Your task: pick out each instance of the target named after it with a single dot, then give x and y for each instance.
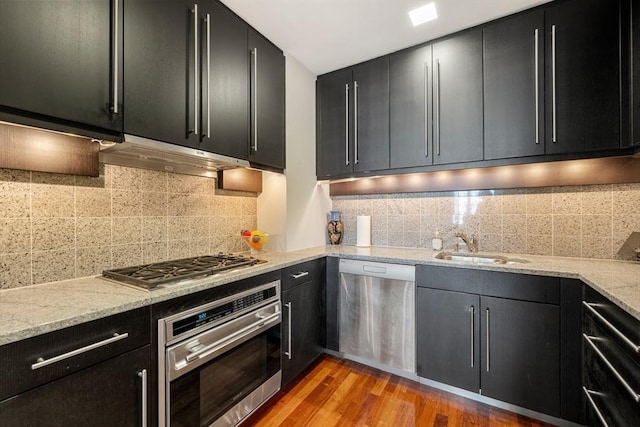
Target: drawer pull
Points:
(588, 393)
(590, 306)
(635, 396)
(40, 362)
(300, 274)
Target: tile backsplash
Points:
(579, 221)
(56, 227)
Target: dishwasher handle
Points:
(378, 269)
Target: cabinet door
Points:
(162, 80)
(57, 60)
(457, 78)
(521, 353)
(267, 103)
(302, 327)
(635, 91)
(448, 328)
(334, 152)
(582, 76)
(225, 99)
(107, 394)
(410, 108)
(371, 104)
(513, 53)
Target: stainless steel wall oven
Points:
(218, 362)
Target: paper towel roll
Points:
(363, 230)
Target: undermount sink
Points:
(473, 258)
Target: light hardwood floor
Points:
(340, 392)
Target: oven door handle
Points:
(236, 336)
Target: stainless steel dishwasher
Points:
(377, 313)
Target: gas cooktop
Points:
(161, 273)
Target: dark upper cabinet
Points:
(353, 120)
(371, 115)
(582, 76)
(452, 320)
(410, 108)
(267, 139)
(513, 62)
(634, 18)
(61, 61)
(334, 151)
(457, 83)
(162, 78)
(225, 71)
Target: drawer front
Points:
(302, 273)
(490, 283)
(44, 358)
(612, 373)
(600, 407)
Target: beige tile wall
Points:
(55, 227)
(581, 221)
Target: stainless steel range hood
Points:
(145, 153)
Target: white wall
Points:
(295, 206)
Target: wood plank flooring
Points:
(340, 392)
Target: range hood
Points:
(145, 153)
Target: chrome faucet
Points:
(472, 243)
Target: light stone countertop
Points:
(34, 310)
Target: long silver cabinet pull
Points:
(588, 394)
(346, 124)
(426, 110)
(143, 379)
(634, 395)
(40, 362)
(355, 122)
(488, 339)
(115, 55)
(471, 312)
(633, 346)
(288, 353)
(553, 84)
(195, 68)
(300, 274)
(537, 88)
(208, 76)
(437, 120)
(239, 334)
(254, 53)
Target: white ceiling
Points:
(326, 35)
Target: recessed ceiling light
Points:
(423, 14)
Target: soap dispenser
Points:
(436, 242)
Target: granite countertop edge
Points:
(35, 310)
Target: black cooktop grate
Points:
(159, 273)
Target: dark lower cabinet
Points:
(513, 63)
(61, 61)
(107, 394)
(267, 139)
(457, 102)
(303, 326)
(582, 62)
(521, 353)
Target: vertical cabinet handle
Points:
(208, 76)
(488, 340)
(426, 110)
(553, 84)
(472, 312)
(115, 56)
(346, 124)
(355, 122)
(537, 88)
(437, 120)
(288, 353)
(254, 54)
(195, 68)
(588, 393)
(143, 379)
